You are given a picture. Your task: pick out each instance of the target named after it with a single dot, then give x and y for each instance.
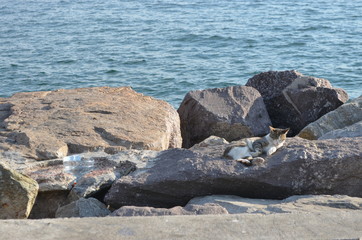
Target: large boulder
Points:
(300, 167)
(17, 193)
(230, 113)
(294, 100)
(53, 124)
(345, 121)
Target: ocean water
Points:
(165, 48)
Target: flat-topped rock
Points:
(300, 167)
(53, 124)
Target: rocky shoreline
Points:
(95, 152)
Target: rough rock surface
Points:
(345, 121)
(83, 207)
(230, 113)
(303, 203)
(17, 193)
(354, 130)
(53, 124)
(130, 211)
(61, 181)
(226, 204)
(301, 225)
(300, 167)
(294, 100)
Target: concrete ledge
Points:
(316, 225)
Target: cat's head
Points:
(278, 133)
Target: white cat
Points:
(251, 148)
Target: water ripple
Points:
(167, 48)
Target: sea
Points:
(165, 48)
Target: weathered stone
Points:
(47, 203)
(209, 142)
(303, 203)
(227, 204)
(301, 225)
(83, 207)
(294, 100)
(300, 167)
(231, 113)
(17, 193)
(354, 130)
(190, 209)
(53, 124)
(345, 121)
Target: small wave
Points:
(112, 71)
(201, 38)
(135, 62)
(68, 61)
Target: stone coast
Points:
(113, 153)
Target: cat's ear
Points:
(285, 131)
(271, 128)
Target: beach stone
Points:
(53, 124)
(47, 203)
(17, 193)
(191, 209)
(300, 203)
(61, 185)
(229, 204)
(231, 113)
(354, 130)
(294, 100)
(299, 225)
(300, 167)
(345, 121)
(83, 207)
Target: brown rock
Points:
(294, 100)
(231, 113)
(53, 124)
(300, 167)
(17, 193)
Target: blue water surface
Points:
(165, 48)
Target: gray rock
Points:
(47, 203)
(354, 130)
(83, 207)
(300, 167)
(302, 203)
(53, 124)
(17, 193)
(230, 113)
(301, 225)
(345, 121)
(294, 100)
(226, 204)
(190, 209)
(61, 182)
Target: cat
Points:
(250, 149)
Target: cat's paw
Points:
(258, 161)
(244, 161)
(271, 151)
